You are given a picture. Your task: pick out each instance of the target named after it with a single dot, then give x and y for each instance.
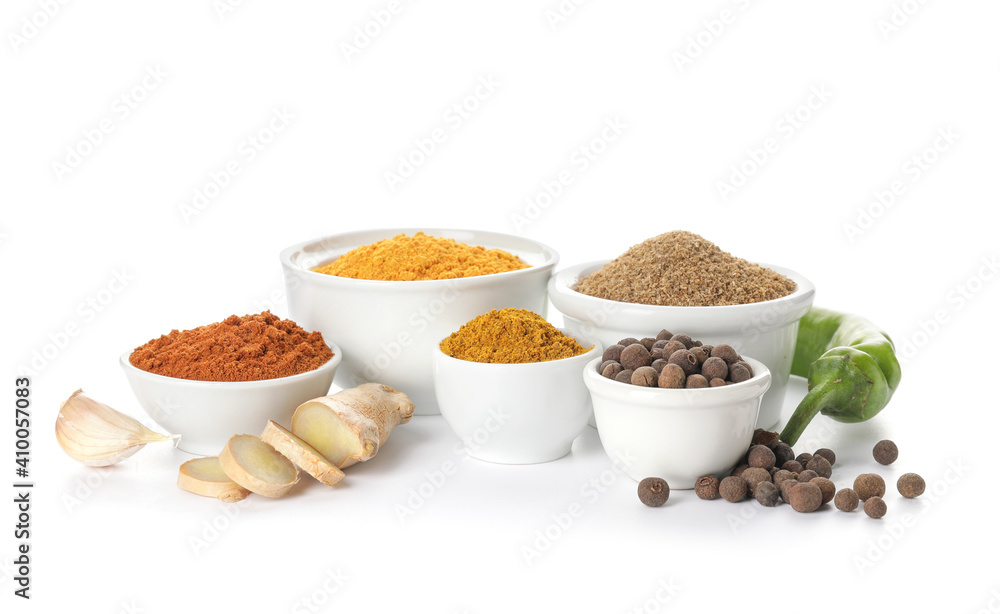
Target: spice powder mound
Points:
(238, 349)
(420, 257)
(510, 336)
(683, 269)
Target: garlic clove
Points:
(97, 435)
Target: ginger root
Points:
(255, 465)
(204, 476)
(351, 425)
(301, 453)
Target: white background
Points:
(121, 540)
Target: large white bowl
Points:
(207, 414)
(676, 434)
(515, 413)
(764, 330)
(389, 329)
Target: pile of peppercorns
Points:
(770, 471)
(673, 361)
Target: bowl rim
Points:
(560, 288)
(551, 257)
(330, 365)
(581, 339)
(762, 375)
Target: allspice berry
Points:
(828, 488)
(746, 366)
(869, 485)
(782, 453)
(733, 489)
(875, 507)
(726, 353)
(700, 355)
(804, 458)
(793, 465)
(781, 475)
(715, 367)
(885, 452)
(624, 376)
(786, 489)
(647, 342)
(654, 492)
(738, 373)
(754, 477)
(846, 500)
(658, 364)
(610, 369)
(696, 380)
(672, 376)
(739, 469)
(910, 485)
(664, 335)
(820, 465)
(761, 456)
(635, 356)
(645, 376)
(671, 347)
(685, 339)
(805, 497)
(828, 454)
(716, 382)
(764, 438)
(614, 352)
(767, 494)
(627, 341)
(685, 360)
(707, 487)
(807, 475)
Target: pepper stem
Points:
(811, 405)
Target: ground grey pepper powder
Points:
(681, 268)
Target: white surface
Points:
(765, 331)
(389, 329)
(515, 413)
(106, 540)
(678, 435)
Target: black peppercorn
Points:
(707, 487)
(733, 489)
(885, 452)
(654, 492)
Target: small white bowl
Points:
(515, 413)
(676, 434)
(764, 330)
(207, 414)
(389, 329)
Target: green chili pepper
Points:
(851, 367)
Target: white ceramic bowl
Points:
(764, 330)
(389, 329)
(207, 414)
(515, 413)
(678, 435)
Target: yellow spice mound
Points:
(420, 257)
(510, 336)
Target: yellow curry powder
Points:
(420, 257)
(510, 336)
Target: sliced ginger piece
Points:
(204, 476)
(351, 425)
(301, 453)
(255, 465)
